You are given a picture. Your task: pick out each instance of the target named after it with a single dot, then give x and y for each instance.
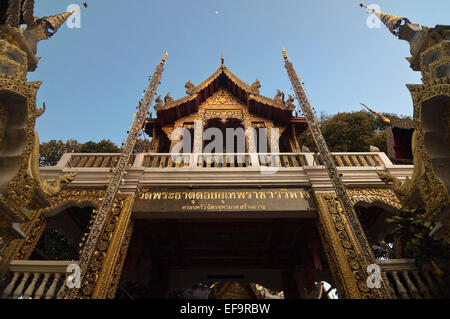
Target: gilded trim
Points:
(107, 281)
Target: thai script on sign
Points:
(224, 195)
(220, 208)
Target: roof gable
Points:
(276, 109)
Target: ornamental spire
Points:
(342, 198)
(385, 119)
(108, 200)
(393, 23)
(53, 23)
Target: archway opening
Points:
(63, 234)
(377, 230)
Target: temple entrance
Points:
(225, 136)
(206, 258)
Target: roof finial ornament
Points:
(159, 103)
(385, 119)
(256, 86)
(190, 88)
(223, 59)
(164, 58)
(168, 98)
(286, 59)
(393, 23)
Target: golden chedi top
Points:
(15, 13)
(393, 23)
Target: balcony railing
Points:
(223, 160)
(95, 160)
(36, 279)
(406, 281)
(355, 160)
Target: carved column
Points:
(198, 137)
(105, 250)
(18, 112)
(294, 140)
(17, 119)
(109, 276)
(358, 253)
(344, 256)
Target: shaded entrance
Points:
(172, 255)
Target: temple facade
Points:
(251, 217)
(226, 203)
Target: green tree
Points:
(142, 146)
(351, 132)
(104, 146)
(51, 152)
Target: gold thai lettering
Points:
(157, 195)
(145, 196)
(292, 194)
(282, 194)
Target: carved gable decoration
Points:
(224, 114)
(223, 105)
(223, 97)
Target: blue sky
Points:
(93, 77)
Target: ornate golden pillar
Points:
(113, 251)
(346, 261)
(20, 182)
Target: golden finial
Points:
(286, 59)
(393, 23)
(223, 59)
(163, 60)
(385, 119)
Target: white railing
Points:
(223, 160)
(32, 279)
(406, 281)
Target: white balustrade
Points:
(32, 279)
(406, 281)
